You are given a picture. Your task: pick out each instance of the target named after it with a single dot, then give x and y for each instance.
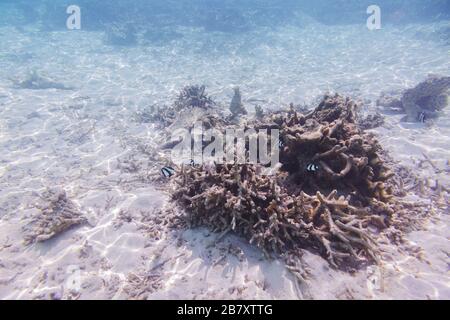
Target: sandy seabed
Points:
(78, 140)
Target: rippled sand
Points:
(73, 139)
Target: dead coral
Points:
(163, 116)
(422, 102)
(329, 211)
(429, 96)
(193, 97)
(391, 102)
(190, 100)
(56, 215)
(372, 121)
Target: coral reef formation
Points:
(190, 101)
(162, 116)
(422, 102)
(193, 97)
(330, 210)
(371, 121)
(57, 215)
(429, 96)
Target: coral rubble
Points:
(194, 97)
(371, 121)
(332, 211)
(56, 215)
(191, 100)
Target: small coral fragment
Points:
(56, 216)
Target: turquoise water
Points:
(70, 89)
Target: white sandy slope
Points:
(74, 139)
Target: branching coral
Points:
(190, 98)
(347, 157)
(193, 96)
(163, 116)
(429, 97)
(57, 215)
(328, 211)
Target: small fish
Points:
(167, 172)
(281, 142)
(312, 167)
(422, 117)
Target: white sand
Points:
(73, 140)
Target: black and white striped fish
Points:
(167, 171)
(422, 117)
(312, 167)
(281, 143)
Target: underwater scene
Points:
(238, 150)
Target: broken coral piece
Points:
(191, 104)
(56, 216)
